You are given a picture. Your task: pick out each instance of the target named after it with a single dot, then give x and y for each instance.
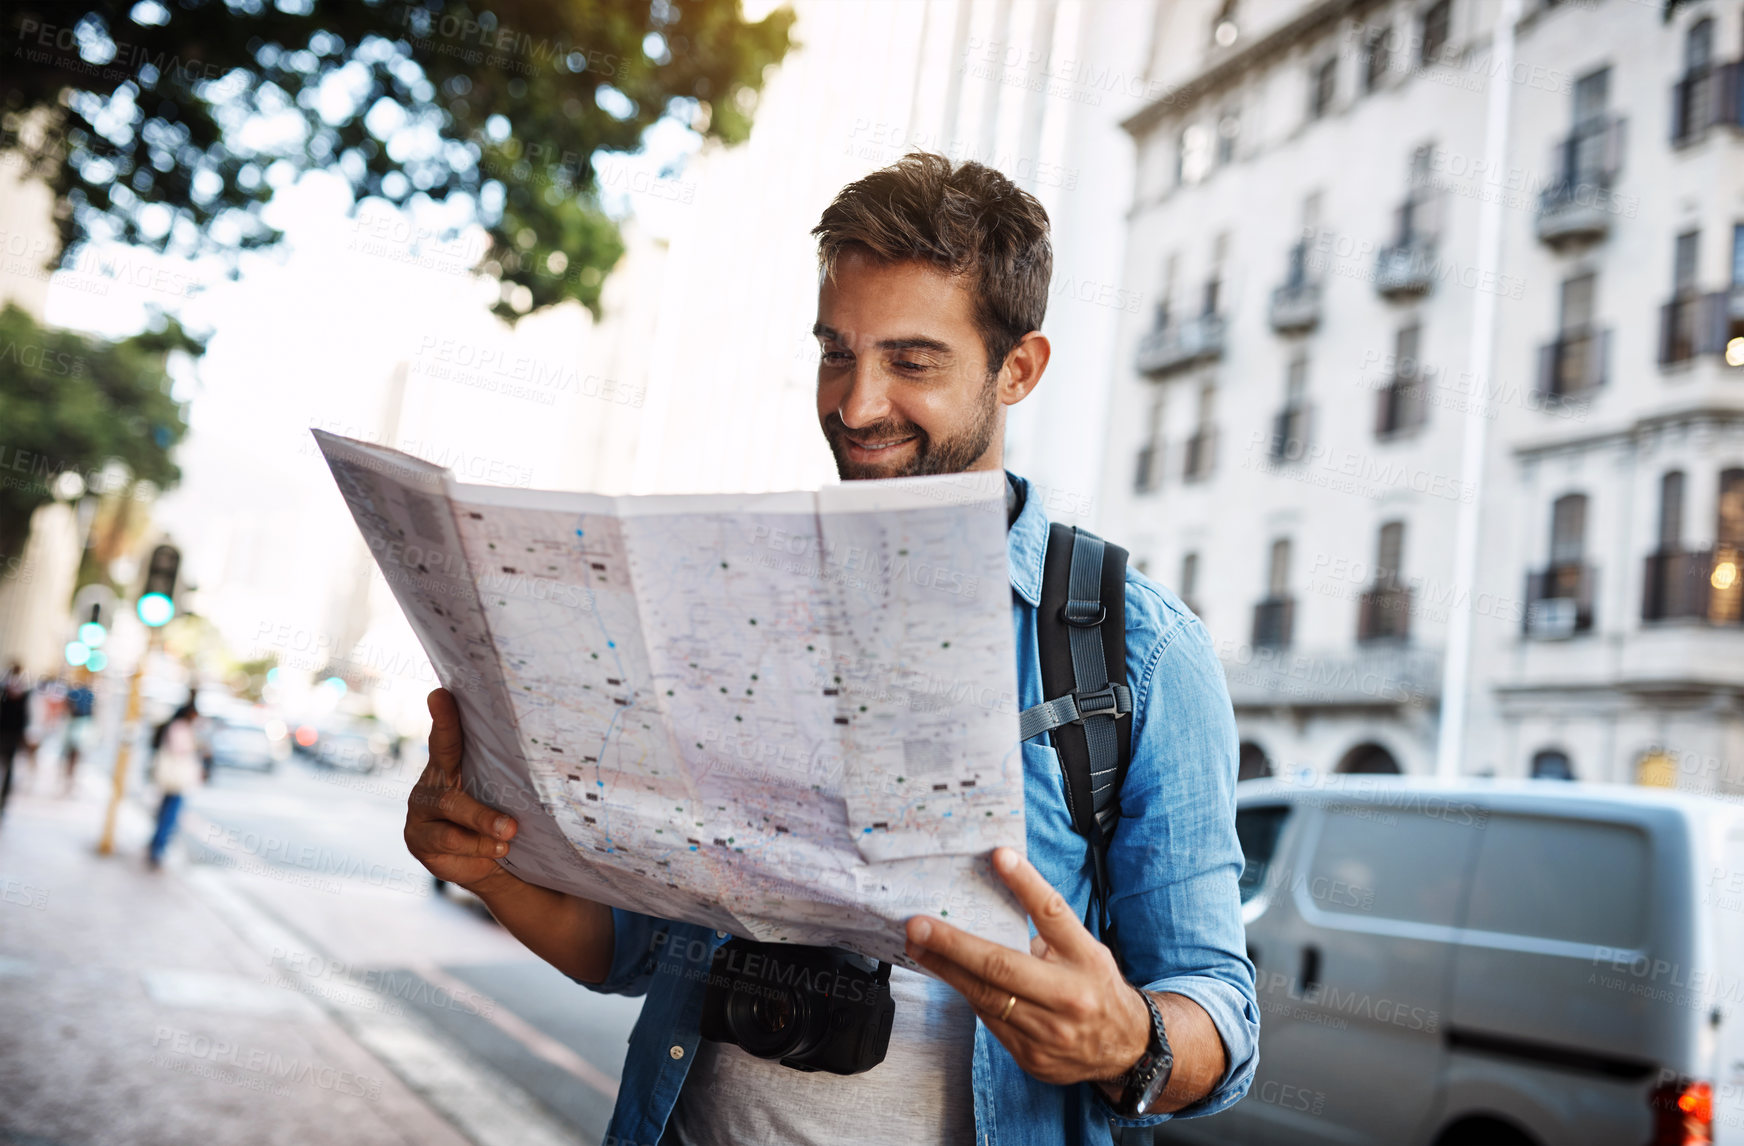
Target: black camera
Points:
(813, 1008)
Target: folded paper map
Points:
(792, 717)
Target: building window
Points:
(1254, 765)
(1377, 58)
(1683, 264)
(1671, 511)
(1568, 529)
(1273, 615)
(1202, 445)
(1737, 254)
(1228, 130)
(1322, 87)
(1551, 764)
(1404, 403)
(1559, 597)
(1385, 611)
(1574, 363)
(1148, 469)
(1189, 589)
(1437, 22)
(1729, 528)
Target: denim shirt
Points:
(1173, 866)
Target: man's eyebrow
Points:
(912, 342)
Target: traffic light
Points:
(157, 603)
(94, 612)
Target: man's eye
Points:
(836, 357)
(911, 367)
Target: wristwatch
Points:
(1147, 1078)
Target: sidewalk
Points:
(143, 1008)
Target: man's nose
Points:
(868, 399)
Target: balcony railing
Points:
(1289, 434)
(1148, 472)
(1406, 269)
(1574, 364)
(1696, 324)
(1384, 614)
(1271, 622)
(1559, 601)
(1181, 344)
(1706, 99)
(1199, 455)
(1702, 585)
(1578, 205)
(1401, 405)
(1295, 306)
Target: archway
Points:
(1552, 764)
(1254, 763)
(1369, 758)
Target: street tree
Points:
(169, 124)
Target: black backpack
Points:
(1081, 630)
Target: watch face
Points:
(1153, 1087)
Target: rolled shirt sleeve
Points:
(1175, 861)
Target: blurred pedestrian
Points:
(14, 719)
(175, 768)
(81, 703)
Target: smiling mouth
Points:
(877, 447)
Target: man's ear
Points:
(1023, 368)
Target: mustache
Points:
(885, 431)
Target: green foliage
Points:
(170, 124)
(69, 402)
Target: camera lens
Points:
(770, 1022)
(774, 1013)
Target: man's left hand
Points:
(1075, 1017)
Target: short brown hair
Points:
(964, 218)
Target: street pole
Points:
(1456, 682)
(124, 752)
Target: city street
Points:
(287, 977)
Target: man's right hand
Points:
(453, 835)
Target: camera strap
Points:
(1081, 634)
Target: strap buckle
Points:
(1109, 700)
(1083, 614)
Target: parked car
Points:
(361, 749)
(1504, 963)
(242, 742)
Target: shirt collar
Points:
(1027, 543)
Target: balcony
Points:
(1574, 364)
(1148, 472)
(1703, 585)
(1401, 405)
(1405, 270)
(1295, 307)
(1382, 675)
(1200, 455)
(1384, 614)
(1181, 344)
(1577, 205)
(1698, 324)
(1271, 622)
(1706, 99)
(1559, 601)
(1289, 434)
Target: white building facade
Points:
(1415, 258)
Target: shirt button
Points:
(676, 1052)
(720, 935)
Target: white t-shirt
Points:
(922, 1094)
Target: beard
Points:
(942, 456)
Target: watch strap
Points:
(1147, 1078)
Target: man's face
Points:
(903, 382)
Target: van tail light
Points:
(1683, 1113)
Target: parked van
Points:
(1496, 963)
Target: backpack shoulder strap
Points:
(1081, 633)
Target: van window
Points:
(1579, 881)
(1258, 829)
(1380, 863)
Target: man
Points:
(934, 284)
